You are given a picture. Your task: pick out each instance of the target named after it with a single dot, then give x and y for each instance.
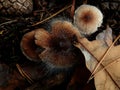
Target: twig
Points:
(52, 15)
(41, 16)
(8, 22)
(73, 8)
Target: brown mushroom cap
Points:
(42, 38)
(28, 46)
(59, 49)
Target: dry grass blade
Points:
(52, 15)
(115, 61)
(24, 74)
(102, 59)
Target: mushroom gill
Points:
(28, 46)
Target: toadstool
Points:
(87, 19)
(59, 49)
(28, 47)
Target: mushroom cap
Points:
(63, 59)
(28, 47)
(59, 49)
(42, 38)
(88, 18)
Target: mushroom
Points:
(59, 49)
(87, 19)
(28, 47)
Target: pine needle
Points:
(22, 72)
(8, 22)
(52, 15)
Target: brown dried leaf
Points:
(108, 79)
(106, 36)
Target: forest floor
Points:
(12, 28)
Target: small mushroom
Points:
(59, 49)
(87, 19)
(28, 46)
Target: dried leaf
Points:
(108, 79)
(106, 36)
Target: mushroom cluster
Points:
(59, 50)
